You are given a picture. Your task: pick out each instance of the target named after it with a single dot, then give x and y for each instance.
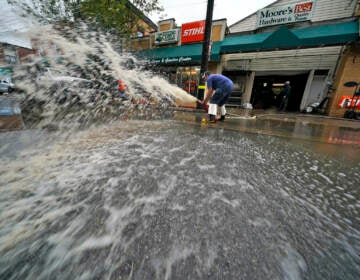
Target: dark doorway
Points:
(266, 91)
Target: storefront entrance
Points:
(267, 89)
(185, 77)
(188, 78)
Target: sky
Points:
(181, 10)
(9, 21)
(192, 10)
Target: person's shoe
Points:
(222, 118)
(212, 119)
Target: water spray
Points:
(73, 78)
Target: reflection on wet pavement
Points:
(312, 130)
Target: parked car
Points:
(6, 86)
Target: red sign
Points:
(303, 8)
(193, 32)
(348, 102)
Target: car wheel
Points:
(10, 90)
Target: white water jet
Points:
(76, 68)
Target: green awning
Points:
(283, 38)
(184, 54)
(329, 34)
(243, 43)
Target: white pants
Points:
(213, 109)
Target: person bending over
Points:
(218, 90)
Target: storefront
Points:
(309, 68)
(180, 63)
(188, 78)
(301, 42)
(345, 98)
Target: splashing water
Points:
(76, 80)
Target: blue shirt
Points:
(216, 81)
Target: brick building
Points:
(14, 49)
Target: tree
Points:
(123, 15)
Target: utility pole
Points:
(205, 48)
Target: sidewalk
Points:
(272, 114)
(293, 126)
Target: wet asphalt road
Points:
(174, 199)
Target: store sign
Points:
(285, 14)
(348, 102)
(193, 32)
(167, 37)
(171, 60)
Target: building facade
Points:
(14, 49)
(310, 43)
(292, 40)
(176, 51)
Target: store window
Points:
(10, 55)
(188, 78)
(168, 72)
(10, 59)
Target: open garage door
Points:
(267, 88)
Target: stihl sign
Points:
(193, 32)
